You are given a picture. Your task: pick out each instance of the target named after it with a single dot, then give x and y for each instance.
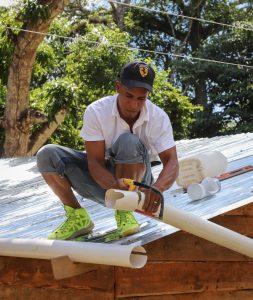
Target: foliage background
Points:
(78, 62)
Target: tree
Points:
(229, 87)
(119, 13)
(77, 63)
(36, 16)
(90, 70)
(208, 84)
(178, 107)
(180, 36)
(85, 69)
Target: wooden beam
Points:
(162, 278)
(2, 265)
(226, 295)
(37, 273)
(183, 246)
(11, 292)
(63, 267)
(246, 210)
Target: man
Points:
(123, 135)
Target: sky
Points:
(6, 2)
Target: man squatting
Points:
(123, 135)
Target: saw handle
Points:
(130, 183)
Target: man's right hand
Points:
(120, 184)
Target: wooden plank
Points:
(182, 246)
(2, 265)
(246, 210)
(64, 267)
(30, 293)
(241, 224)
(38, 273)
(227, 295)
(183, 277)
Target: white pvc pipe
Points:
(195, 168)
(128, 200)
(95, 253)
(187, 222)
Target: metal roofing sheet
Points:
(30, 210)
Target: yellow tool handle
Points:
(129, 183)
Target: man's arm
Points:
(169, 171)
(96, 162)
(165, 179)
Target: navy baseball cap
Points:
(137, 74)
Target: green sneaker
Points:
(126, 223)
(77, 223)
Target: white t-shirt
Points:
(102, 121)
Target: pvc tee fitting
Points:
(209, 186)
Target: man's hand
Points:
(121, 185)
(152, 200)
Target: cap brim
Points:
(135, 83)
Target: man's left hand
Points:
(152, 200)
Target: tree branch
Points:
(46, 131)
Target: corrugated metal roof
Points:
(30, 210)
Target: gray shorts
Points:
(73, 164)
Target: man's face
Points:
(130, 100)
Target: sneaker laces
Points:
(64, 227)
(124, 218)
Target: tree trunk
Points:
(119, 12)
(195, 40)
(17, 121)
(200, 91)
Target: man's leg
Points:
(64, 169)
(135, 171)
(62, 188)
(130, 158)
(131, 161)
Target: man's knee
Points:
(44, 155)
(129, 148)
(128, 139)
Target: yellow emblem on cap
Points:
(143, 71)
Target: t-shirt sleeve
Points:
(91, 129)
(164, 138)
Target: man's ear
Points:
(118, 85)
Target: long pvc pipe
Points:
(178, 218)
(96, 253)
